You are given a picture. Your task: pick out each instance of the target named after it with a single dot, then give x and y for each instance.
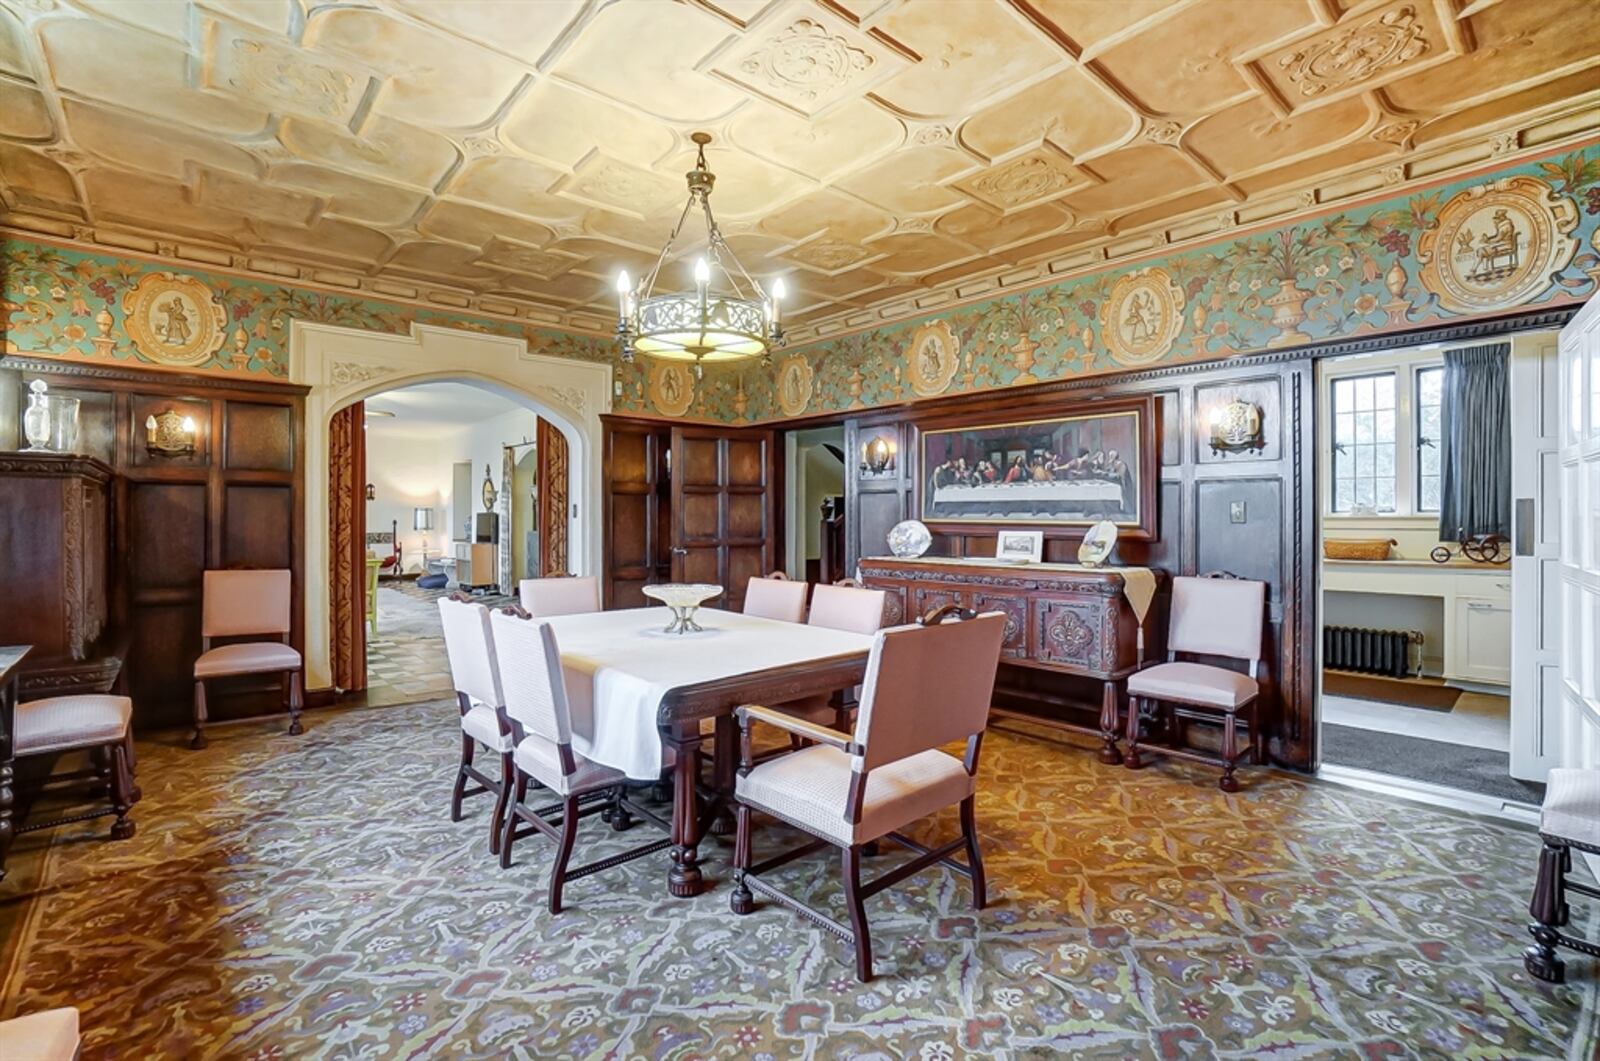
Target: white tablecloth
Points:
(619, 665)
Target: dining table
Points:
(639, 695)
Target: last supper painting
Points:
(1067, 472)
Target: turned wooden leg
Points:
(134, 794)
(741, 901)
(724, 765)
(569, 833)
(468, 749)
(1549, 912)
(513, 812)
(1109, 718)
(1258, 736)
(508, 773)
(1131, 758)
(621, 819)
(1230, 752)
(121, 793)
(969, 832)
(684, 880)
(297, 696)
(197, 740)
(850, 865)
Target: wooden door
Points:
(1579, 569)
(634, 477)
(724, 509)
(554, 503)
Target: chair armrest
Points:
(798, 726)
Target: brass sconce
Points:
(372, 492)
(167, 434)
(1237, 426)
(877, 456)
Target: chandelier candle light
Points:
(707, 326)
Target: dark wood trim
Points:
(142, 377)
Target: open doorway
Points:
(1417, 620)
(815, 518)
(454, 473)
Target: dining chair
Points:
(99, 724)
(1214, 616)
(926, 685)
(475, 674)
(45, 1035)
(246, 604)
(837, 607)
(776, 596)
(547, 597)
(1569, 820)
(541, 728)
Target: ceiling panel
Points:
(869, 149)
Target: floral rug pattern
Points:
(309, 897)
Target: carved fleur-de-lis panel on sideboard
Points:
(888, 157)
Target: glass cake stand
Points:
(684, 598)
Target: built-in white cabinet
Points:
(1482, 650)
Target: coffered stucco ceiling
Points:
(884, 155)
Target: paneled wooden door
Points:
(635, 538)
(724, 508)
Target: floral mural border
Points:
(1436, 256)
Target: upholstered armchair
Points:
(838, 607)
(99, 724)
(475, 674)
(776, 596)
(239, 604)
(1568, 821)
(926, 686)
(541, 727)
(1213, 617)
(544, 598)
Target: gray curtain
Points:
(1475, 443)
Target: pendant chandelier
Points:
(736, 321)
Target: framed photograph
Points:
(1067, 472)
(1019, 547)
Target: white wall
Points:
(408, 472)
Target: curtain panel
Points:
(1475, 439)
(347, 546)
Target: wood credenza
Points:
(1060, 618)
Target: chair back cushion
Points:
(1217, 617)
(530, 674)
(470, 646)
(776, 598)
(844, 608)
(546, 597)
(927, 686)
(234, 603)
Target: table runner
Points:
(619, 665)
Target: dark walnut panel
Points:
(254, 518)
(259, 437)
(167, 535)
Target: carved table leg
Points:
(683, 879)
(724, 761)
(1109, 717)
(8, 717)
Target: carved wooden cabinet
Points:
(1059, 617)
(55, 549)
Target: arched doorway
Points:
(344, 365)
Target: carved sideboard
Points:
(1060, 617)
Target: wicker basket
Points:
(1357, 548)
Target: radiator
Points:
(1354, 648)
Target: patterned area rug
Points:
(308, 897)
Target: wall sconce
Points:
(166, 434)
(877, 456)
(372, 492)
(422, 519)
(1237, 426)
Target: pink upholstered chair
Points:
(547, 597)
(837, 608)
(926, 685)
(776, 597)
(1216, 616)
(475, 674)
(541, 727)
(100, 724)
(48, 1035)
(246, 604)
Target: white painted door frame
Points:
(1579, 457)
(1536, 548)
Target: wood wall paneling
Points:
(635, 475)
(1200, 497)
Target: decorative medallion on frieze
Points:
(1142, 316)
(174, 320)
(932, 358)
(795, 377)
(1497, 245)
(671, 388)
